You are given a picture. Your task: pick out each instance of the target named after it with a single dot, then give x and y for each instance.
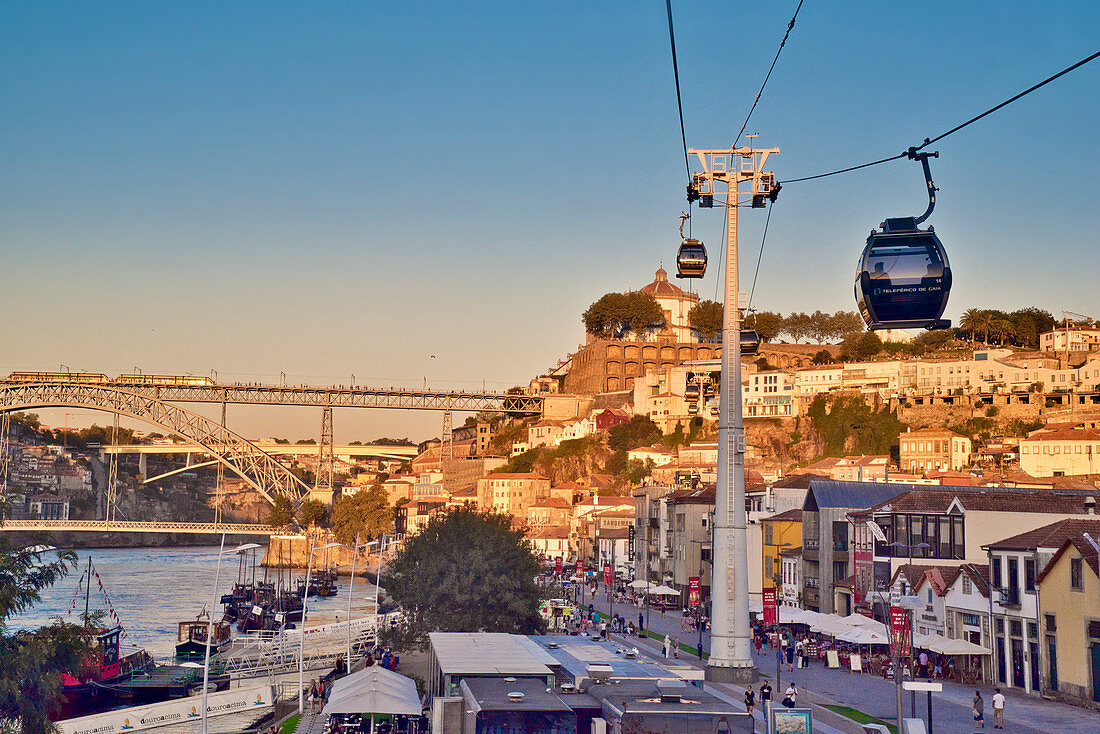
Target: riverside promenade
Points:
(820, 687)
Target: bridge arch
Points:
(259, 469)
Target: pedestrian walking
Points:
(765, 693)
(756, 642)
(750, 700)
(790, 658)
(641, 623)
(790, 696)
(668, 647)
(676, 646)
(978, 707)
(798, 653)
(998, 709)
(314, 696)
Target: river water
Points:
(152, 589)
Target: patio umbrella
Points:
(831, 626)
(862, 636)
(640, 584)
(663, 590)
(927, 641)
(959, 647)
(858, 620)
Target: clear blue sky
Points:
(332, 188)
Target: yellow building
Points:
(781, 532)
(1069, 610)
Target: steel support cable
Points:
(759, 257)
(929, 141)
(768, 76)
(676, 76)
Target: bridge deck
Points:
(123, 526)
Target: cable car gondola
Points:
(903, 280)
(691, 258)
(750, 342)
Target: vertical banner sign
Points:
(580, 569)
(557, 565)
(899, 632)
(694, 597)
(771, 614)
(630, 543)
(607, 574)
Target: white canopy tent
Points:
(863, 636)
(640, 584)
(663, 590)
(374, 690)
(858, 620)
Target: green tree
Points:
(366, 513)
(706, 318)
(466, 571)
(823, 357)
(30, 678)
(820, 326)
(850, 426)
(843, 323)
(615, 315)
(768, 324)
(314, 512)
(637, 470)
(281, 514)
(640, 431)
(797, 326)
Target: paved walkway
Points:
(872, 695)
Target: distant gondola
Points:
(750, 342)
(903, 279)
(691, 259)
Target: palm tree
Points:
(969, 322)
(1003, 328)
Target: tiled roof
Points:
(1066, 434)
(614, 533)
(794, 515)
(1085, 548)
(554, 502)
(932, 432)
(1049, 536)
(519, 475)
(924, 498)
(661, 288)
(553, 532)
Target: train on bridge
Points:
(94, 378)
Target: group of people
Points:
(790, 696)
(977, 707)
(319, 691)
(787, 647)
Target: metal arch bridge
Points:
(256, 467)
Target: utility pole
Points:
(731, 646)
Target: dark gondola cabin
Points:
(691, 259)
(750, 342)
(904, 279)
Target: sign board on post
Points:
(771, 615)
(899, 632)
(557, 565)
(694, 596)
(607, 574)
(580, 569)
(630, 543)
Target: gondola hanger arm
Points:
(913, 155)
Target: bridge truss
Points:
(260, 470)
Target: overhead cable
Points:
(676, 75)
(929, 141)
(768, 76)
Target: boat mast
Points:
(88, 592)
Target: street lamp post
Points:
(897, 648)
(351, 585)
(302, 634)
(210, 622)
